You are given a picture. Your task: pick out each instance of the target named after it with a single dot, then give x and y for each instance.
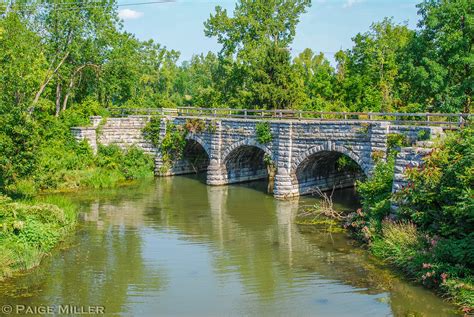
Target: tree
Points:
(75, 40)
(259, 33)
(22, 62)
(442, 55)
(319, 79)
(275, 84)
(255, 24)
(369, 71)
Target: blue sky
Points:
(328, 25)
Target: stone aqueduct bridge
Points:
(305, 153)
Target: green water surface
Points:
(176, 247)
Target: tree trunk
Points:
(46, 82)
(58, 98)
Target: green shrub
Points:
(109, 157)
(439, 196)
(263, 132)
(23, 188)
(137, 164)
(375, 192)
(395, 140)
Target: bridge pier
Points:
(284, 188)
(215, 175)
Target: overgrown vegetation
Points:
(195, 125)
(263, 132)
(431, 236)
(151, 131)
(30, 230)
(173, 144)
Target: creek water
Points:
(176, 247)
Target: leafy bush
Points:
(434, 240)
(263, 132)
(137, 164)
(439, 197)
(375, 192)
(132, 163)
(395, 140)
(109, 157)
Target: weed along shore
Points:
(429, 238)
(30, 230)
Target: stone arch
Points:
(200, 141)
(247, 142)
(329, 147)
(244, 161)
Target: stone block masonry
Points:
(123, 132)
(305, 154)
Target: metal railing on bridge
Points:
(448, 120)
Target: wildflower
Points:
(444, 276)
(427, 266)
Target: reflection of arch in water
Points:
(245, 161)
(321, 167)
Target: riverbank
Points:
(431, 236)
(30, 230)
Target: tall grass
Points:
(29, 230)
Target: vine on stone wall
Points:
(172, 146)
(195, 125)
(263, 132)
(151, 131)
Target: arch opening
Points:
(327, 170)
(248, 163)
(194, 159)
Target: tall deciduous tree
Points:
(442, 55)
(258, 33)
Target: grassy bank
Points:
(109, 168)
(431, 237)
(29, 230)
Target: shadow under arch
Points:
(247, 160)
(195, 158)
(326, 167)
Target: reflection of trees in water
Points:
(255, 235)
(249, 234)
(104, 265)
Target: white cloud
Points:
(127, 14)
(350, 3)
